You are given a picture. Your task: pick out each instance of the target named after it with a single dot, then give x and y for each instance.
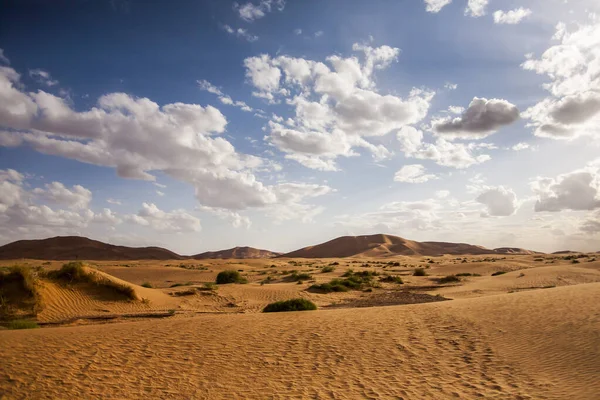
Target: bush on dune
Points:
(353, 281)
(230, 276)
(420, 272)
(290, 305)
(74, 272)
(19, 292)
(22, 324)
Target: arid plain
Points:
(503, 326)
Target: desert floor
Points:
(531, 333)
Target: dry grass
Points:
(19, 292)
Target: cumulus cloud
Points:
(482, 118)
(576, 190)
(176, 221)
(592, 224)
(511, 17)
(414, 173)
(476, 8)
(573, 66)
(336, 106)
(250, 12)
(122, 131)
(435, 6)
(76, 198)
(443, 152)
(23, 213)
(521, 146)
(499, 201)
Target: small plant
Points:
(147, 285)
(498, 273)
(290, 305)
(449, 279)
(419, 272)
(298, 277)
(328, 268)
(391, 279)
(575, 261)
(268, 279)
(230, 276)
(467, 274)
(22, 324)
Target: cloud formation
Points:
(250, 11)
(499, 201)
(435, 6)
(414, 173)
(482, 118)
(511, 17)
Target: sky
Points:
(285, 123)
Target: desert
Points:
(504, 326)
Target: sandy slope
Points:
(529, 345)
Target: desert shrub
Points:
(449, 279)
(334, 263)
(353, 281)
(22, 324)
(328, 268)
(290, 305)
(147, 285)
(498, 273)
(186, 292)
(230, 276)
(296, 277)
(467, 274)
(392, 279)
(74, 272)
(419, 272)
(19, 291)
(208, 286)
(575, 261)
(268, 279)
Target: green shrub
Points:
(22, 324)
(295, 277)
(498, 273)
(392, 279)
(290, 305)
(147, 285)
(328, 268)
(467, 274)
(449, 279)
(353, 281)
(230, 276)
(574, 261)
(419, 272)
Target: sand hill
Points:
(383, 245)
(236, 252)
(80, 248)
(515, 250)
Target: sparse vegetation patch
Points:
(230, 276)
(290, 305)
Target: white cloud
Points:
(521, 146)
(241, 33)
(483, 118)
(336, 109)
(443, 152)
(499, 201)
(236, 219)
(176, 221)
(511, 17)
(158, 192)
(592, 224)
(122, 132)
(318, 33)
(435, 6)
(476, 8)
(576, 190)
(225, 99)
(573, 66)
(451, 86)
(42, 77)
(298, 31)
(3, 58)
(22, 214)
(250, 12)
(76, 198)
(414, 173)
(113, 201)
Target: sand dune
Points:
(237, 253)
(511, 346)
(80, 248)
(383, 246)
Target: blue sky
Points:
(279, 124)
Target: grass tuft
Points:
(290, 305)
(392, 279)
(147, 285)
(419, 272)
(22, 324)
(449, 279)
(498, 273)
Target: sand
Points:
(532, 333)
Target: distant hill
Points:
(383, 246)
(236, 252)
(515, 250)
(80, 248)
